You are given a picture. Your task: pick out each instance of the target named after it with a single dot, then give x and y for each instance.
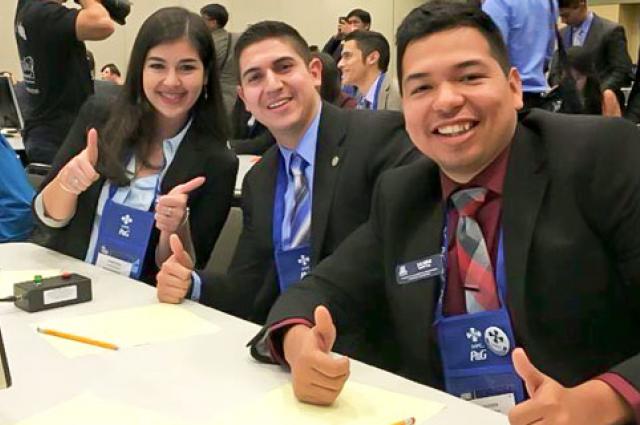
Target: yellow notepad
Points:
(358, 404)
(126, 328)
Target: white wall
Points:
(315, 19)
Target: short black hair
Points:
(216, 11)
(265, 30)
(440, 15)
(361, 14)
(112, 68)
(572, 4)
(369, 42)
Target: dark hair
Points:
(112, 68)
(130, 127)
(369, 42)
(361, 14)
(217, 12)
(572, 4)
(266, 30)
(440, 15)
(581, 60)
(330, 80)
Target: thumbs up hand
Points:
(174, 278)
(80, 173)
(318, 376)
(591, 403)
(171, 209)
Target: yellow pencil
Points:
(78, 338)
(408, 421)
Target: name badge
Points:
(420, 269)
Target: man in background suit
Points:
(344, 150)
(364, 65)
(512, 234)
(604, 39)
(216, 17)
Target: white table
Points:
(195, 379)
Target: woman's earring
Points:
(206, 95)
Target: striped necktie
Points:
(300, 217)
(471, 249)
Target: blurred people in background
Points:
(604, 40)
(364, 64)
(110, 72)
(53, 58)
(216, 18)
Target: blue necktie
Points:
(300, 217)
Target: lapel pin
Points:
(335, 161)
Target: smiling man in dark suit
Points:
(512, 233)
(307, 193)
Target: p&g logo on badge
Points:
(478, 351)
(125, 230)
(304, 262)
(497, 341)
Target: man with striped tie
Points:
(307, 193)
(506, 262)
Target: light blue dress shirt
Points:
(579, 33)
(140, 193)
(527, 27)
(307, 150)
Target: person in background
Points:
(216, 18)
(110, 72)
(500, 262)
(591, 98)
(330, 83)
(364, 64)
(358, 19)
(154, 163)
(604, 40)
(333, 46)
(528, 29)
(306, 194)
(16, 194)
(50, 40)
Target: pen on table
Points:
(78, 338)
(408, 421)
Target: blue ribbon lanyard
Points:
(278, 213)
(377, 92)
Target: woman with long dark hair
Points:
(153, 163)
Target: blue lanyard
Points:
(278, 204)
(501, 276)
(377, 92)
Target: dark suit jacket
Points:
(632, 111)
(570, 217)
(198, 155)
(364, 144)
(607, 44)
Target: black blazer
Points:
(607, 44)
(353, 148)
(198, 155)
(570, 217)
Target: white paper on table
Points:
(358, 404)
(127, 328)
(87, 409)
